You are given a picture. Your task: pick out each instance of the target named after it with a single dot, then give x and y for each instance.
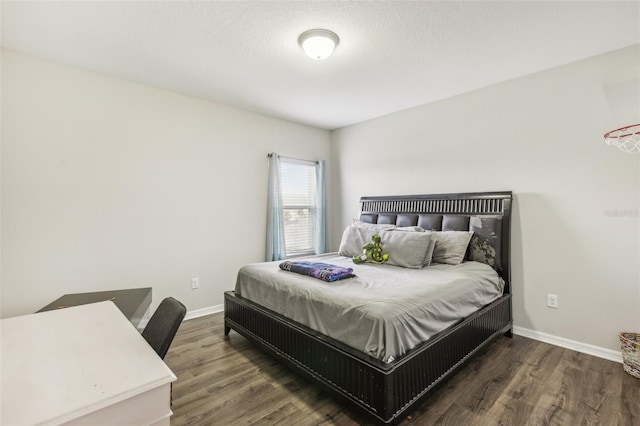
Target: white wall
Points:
(541, 137)
(110, 184)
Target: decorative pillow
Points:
(377, 226)
(451, 246)
(405, 249)
(485, 246)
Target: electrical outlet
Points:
(195, 283)
(552, 300)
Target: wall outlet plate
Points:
(195, 283)
(552, 300)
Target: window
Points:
(299, 206)
(296, 208)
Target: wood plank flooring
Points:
(513, 382)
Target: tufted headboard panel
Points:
(487, 214)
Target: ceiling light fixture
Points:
(318, 44)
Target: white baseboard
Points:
(190, 315)
(204, 311)
(585, 348)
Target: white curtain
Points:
(275, 223)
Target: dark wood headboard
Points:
(452, 212)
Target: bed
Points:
(387, 388)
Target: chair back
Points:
(163, 325)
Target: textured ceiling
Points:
(392, 55)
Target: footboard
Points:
(385, 391)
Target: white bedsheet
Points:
(384, 311)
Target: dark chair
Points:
(163, 325)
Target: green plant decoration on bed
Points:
(372, 252)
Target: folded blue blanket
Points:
(322, 271)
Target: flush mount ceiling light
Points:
(318, 44)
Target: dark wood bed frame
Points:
(387, 391)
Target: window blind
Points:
(299, 205)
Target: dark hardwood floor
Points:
(513, 382)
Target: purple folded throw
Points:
(322, 271)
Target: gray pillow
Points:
(405, 249)
(428, 257)
(353, 238)
(409, 228)
(432, 243)
(451, 246)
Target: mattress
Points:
(384, 310)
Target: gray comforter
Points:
(384, 310)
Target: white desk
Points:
(81, 365)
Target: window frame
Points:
(312, 208)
